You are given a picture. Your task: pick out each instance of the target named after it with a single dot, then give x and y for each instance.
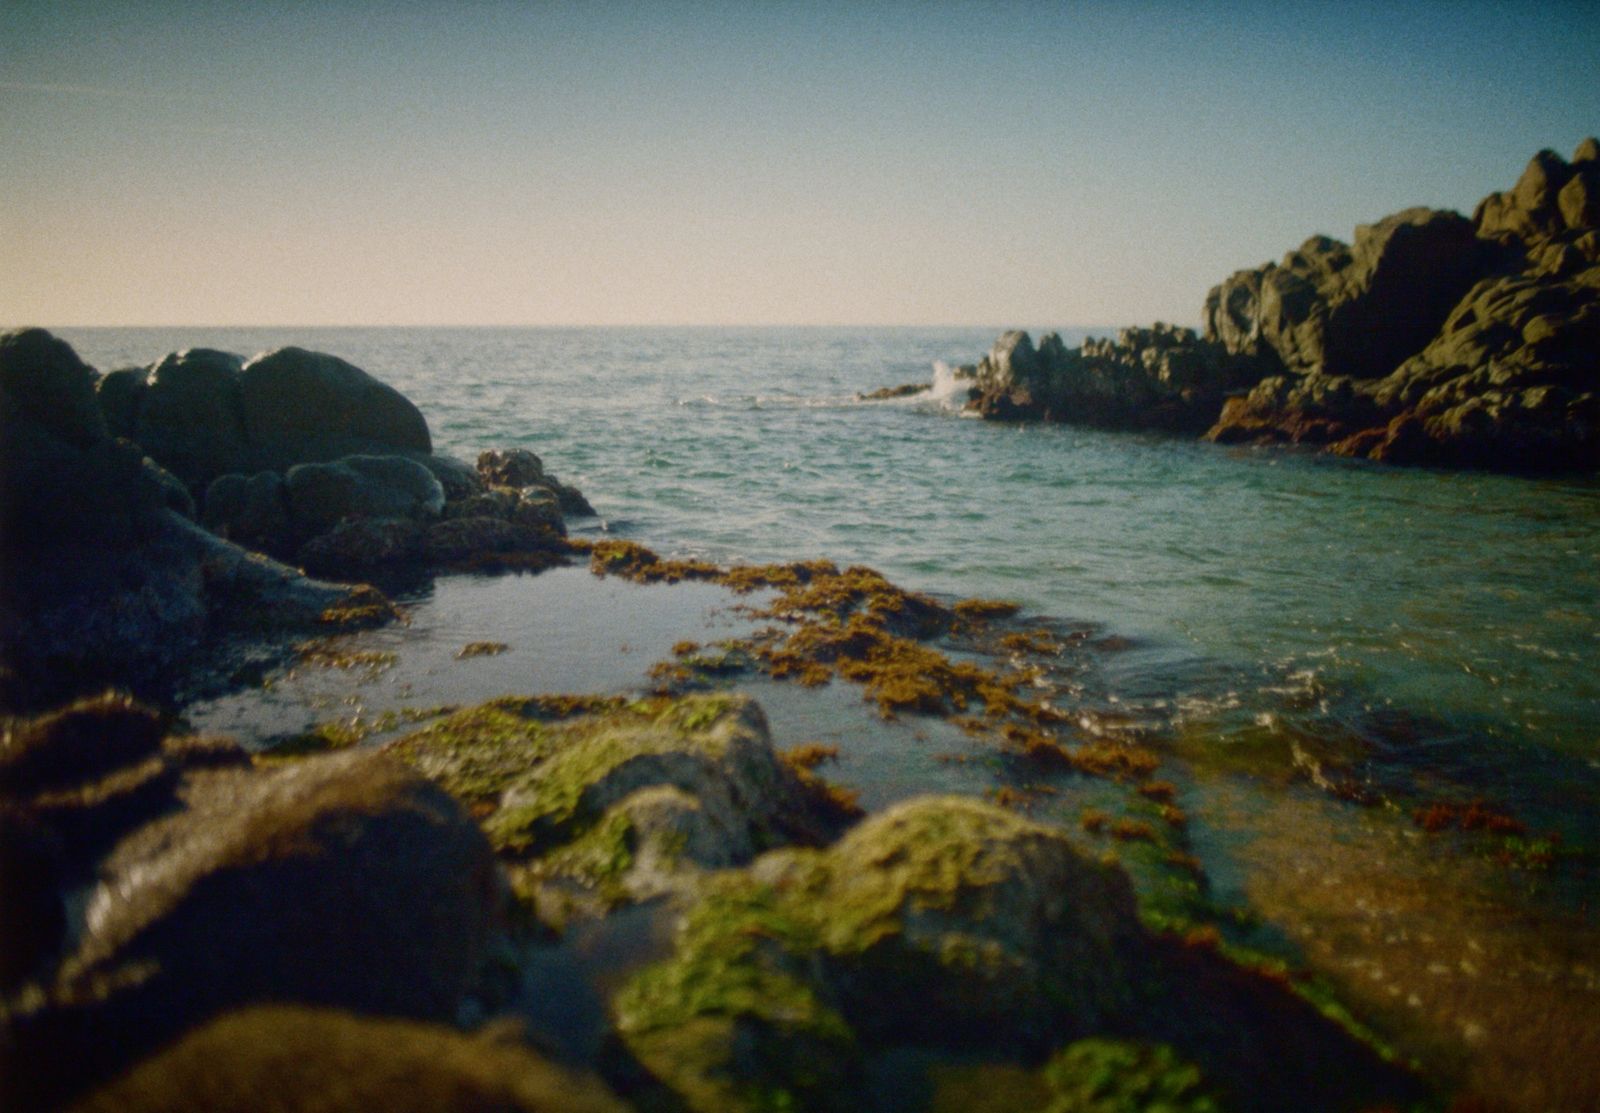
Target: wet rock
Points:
(320, 496)
(359, 547)
(515, 468)
(302, 406)
(519, 469)
(496, 502)
(1157, 378)
(340, 880)
(887, 393)
(324, 1061)
(459, 539)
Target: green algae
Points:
(1124, 1076)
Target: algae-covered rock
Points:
(943, 921)
(614, 794)
(1125, 1076)
(324, 1061)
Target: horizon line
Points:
(592, 325)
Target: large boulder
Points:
(44, 386)
(190, 415)
(301, 406)
(343, 880)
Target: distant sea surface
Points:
(1251, 584)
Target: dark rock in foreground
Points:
(1433, 339)
(342, 880)
(324, 1061)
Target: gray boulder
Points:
(301, 406)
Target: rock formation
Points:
(1432, 339)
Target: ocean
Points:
(1468, 600)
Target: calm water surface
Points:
(1251, 581)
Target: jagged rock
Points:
(340, 880)
(324, 1061)
(320, 496)
(1350, 311)
(519, 469)
(516, 468)
(302, 406)
(1162, 377)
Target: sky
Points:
(739, 163)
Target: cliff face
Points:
(1432, 339)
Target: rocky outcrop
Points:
(1432, 339)
(1163, 377)
(1510, 378)
(202, 413)
(1357, 311)
(101, 580)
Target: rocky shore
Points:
(1432, 339)
(346, 922)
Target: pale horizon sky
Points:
(751, 163)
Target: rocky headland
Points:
(1432, 339)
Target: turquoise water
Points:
(1251, 584)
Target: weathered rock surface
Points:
(1356, 311)
(320, 496)
(324, 1061)
(1433, 339)
(519, 469)
(343, 880)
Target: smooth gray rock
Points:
(302, 406)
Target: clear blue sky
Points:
(919, 163)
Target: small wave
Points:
(950, 386)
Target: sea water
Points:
(1247, 583)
